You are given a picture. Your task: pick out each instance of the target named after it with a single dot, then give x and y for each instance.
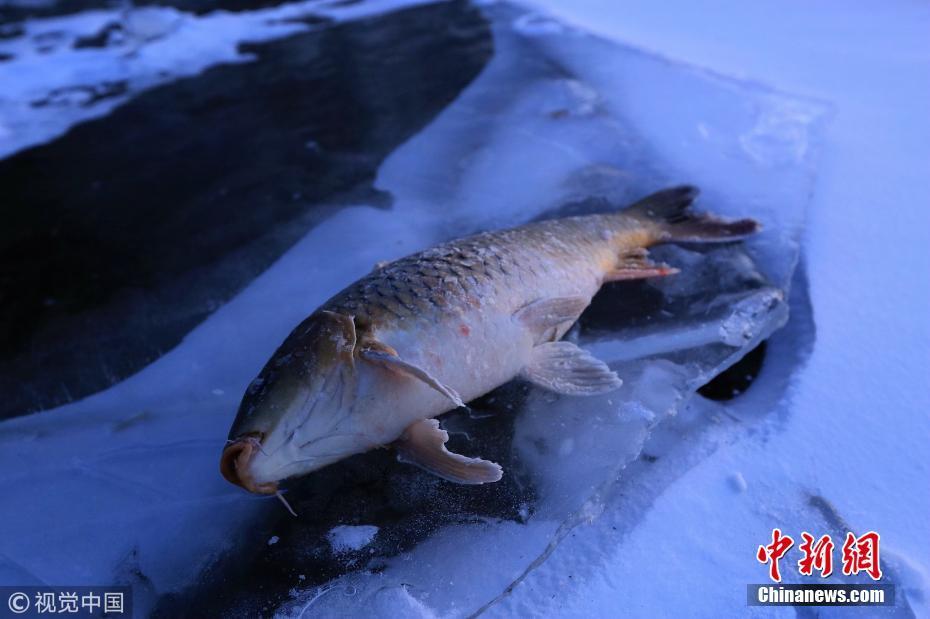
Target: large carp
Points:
(420, 336)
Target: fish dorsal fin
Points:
(423, 444)
(544, 314)
(564, 368)
(384, 356)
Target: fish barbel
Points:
(420, 336)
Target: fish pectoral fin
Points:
(544, 314)
(423, 444)
(635, 264)
(564, 368)
(384, 356)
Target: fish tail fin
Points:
(667, 212)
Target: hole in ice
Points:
(737, 378)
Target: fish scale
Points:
(481, 268)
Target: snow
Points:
(161, 44)
(394, 601)
(345, 538)
(857, 428)
(834, 430)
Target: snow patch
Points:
(159, 45)
(346, 538)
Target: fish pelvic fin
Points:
(423, 444)
(667, 213)
(636, 264)
(565, 368)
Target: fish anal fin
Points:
(384, 356)
(544, 314)
(423, 444)
(564, 368)
(636, 264)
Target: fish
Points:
(422, 335)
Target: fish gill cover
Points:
(557, 122)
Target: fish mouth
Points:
(235, 464)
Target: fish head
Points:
(297, 416)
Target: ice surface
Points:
(123, 486)
(50, 83)
(160, 176)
